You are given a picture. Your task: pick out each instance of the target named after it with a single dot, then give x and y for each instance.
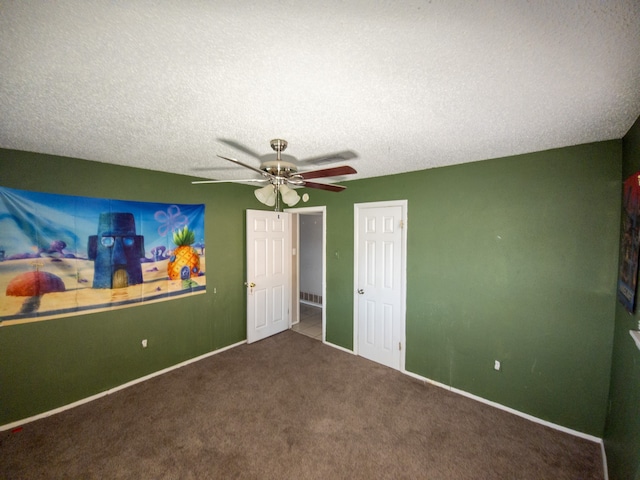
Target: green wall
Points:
(511, 259)
(51, 363)
(622, 434)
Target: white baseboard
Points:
(505, 408)
(531, 418)
(307, 302)
(491, 403)
(346, 350)
(69, 406)
(604, 461)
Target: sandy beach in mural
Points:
(77, 275)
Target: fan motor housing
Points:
(279, 168)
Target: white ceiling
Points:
(408, 85)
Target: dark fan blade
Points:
(328, 172)
(325, 186)
(253, 180)
(261, 172)
(331, 157)
(240, 147)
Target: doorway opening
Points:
(310, 323)
(308, 271)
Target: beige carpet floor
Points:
(289, 407)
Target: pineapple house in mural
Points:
(65, 255)
(185, 261)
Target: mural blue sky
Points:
(32, 220)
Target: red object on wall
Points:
(32, 284)
(629, 243)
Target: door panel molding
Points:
(380, 272)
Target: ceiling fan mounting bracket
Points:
(278, 145)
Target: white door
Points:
(268, 273)
(379, 276)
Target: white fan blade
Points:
(240, 147)
(253, 180)
(257, 170)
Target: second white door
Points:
(379, 275)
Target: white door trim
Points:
(403, 266)
(295, 302)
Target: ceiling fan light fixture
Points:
(266, 195)
(281, 173)
(289, 196)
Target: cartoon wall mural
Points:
(64, 255)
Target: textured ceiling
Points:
(407, 85)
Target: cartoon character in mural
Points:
(116, 251)
(184, 263)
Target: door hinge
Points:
(401, 223)
(399, 345)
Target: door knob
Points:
(361, 291)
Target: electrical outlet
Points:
(496, 365)
(144, 343)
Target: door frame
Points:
(295, 263)
(403, 273)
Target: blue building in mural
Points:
(116, 251)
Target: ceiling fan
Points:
(279, 174)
